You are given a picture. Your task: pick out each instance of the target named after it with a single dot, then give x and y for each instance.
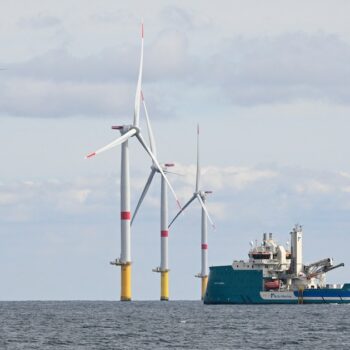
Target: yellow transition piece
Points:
(126, 282)
(204, 285)
(164, 285)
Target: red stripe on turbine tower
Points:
(164, 233)
(204, 246)
(125, 215)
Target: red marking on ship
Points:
(125, 215)
(164, 233)
(204, 246)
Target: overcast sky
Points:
(269, 84)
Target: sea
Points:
(171, 325)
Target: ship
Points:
(275, 274)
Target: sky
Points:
(269, 84)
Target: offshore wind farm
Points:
(235, 114)
(272, 274)
(264, 154)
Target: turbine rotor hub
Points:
(153, 167)
(202, 194)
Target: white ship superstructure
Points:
(282, 267)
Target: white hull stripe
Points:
(285, 296)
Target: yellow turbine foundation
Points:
(125, 282)
(204, 285)
(164, 285)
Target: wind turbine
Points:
(128, 131)
(164, 232)
(201, 197)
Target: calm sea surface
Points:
(171, 325)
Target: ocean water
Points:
(171, 325)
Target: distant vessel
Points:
(275, 275)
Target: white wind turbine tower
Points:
(164, 232)
(201, 196)
(127, 131)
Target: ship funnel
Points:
(264, 238)
(270, 236)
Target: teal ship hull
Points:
(229, 286)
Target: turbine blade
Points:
(143, 194)
(172, 172)
(198, 173)
(205, 210)
(183, 208)
(138, 87)
(152, 142)
(140, 138)
(114, 143)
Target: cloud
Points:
(39, 21)
(115, 64)
(284, 68)
(313, 186)
(43, 98)
(241, 71)
(266, 192)
(7, 198)
(57, 84)
(52, 200)
(218, 178)
(178, 17)
(169, 58)
(237, 178)
(181, 19)
(244, 190)
(114, 16)
(166, 58)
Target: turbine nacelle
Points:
(203, 194)
(125, 128)
(164, 167)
